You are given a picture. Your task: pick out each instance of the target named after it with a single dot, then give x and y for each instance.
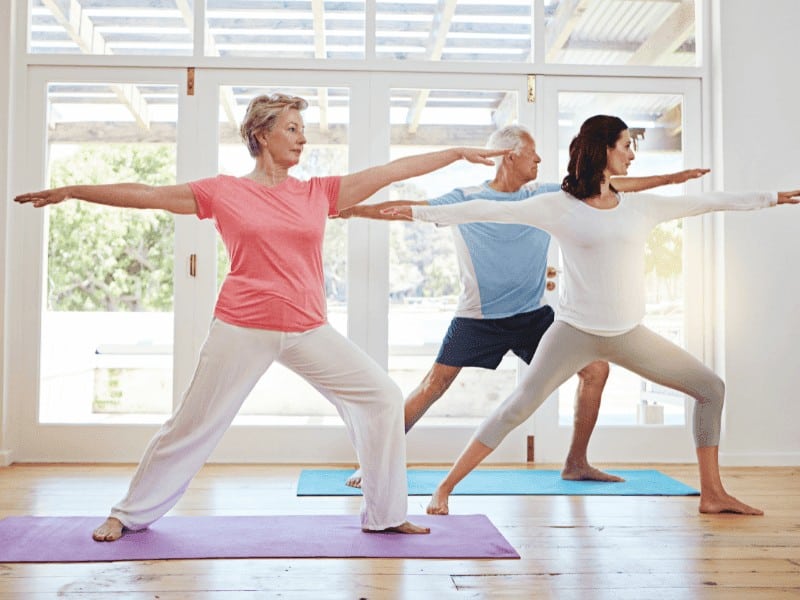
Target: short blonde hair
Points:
(261, 114)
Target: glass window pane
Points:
(107, 322)
(125, 27)
(288, 29)
(655, 121)
(627, 32)
(461, 30)
(280, 394)
(424, 283)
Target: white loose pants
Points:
(231, 362)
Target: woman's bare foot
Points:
(109, 531)
(354, 481)
(438, 504)
(406, 527)
(725, 503)
(586, 472)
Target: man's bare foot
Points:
(406, 527)
(438, 504)
(586, 472)
(354, 481)
(725, 503)
(109, 531)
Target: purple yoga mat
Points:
(68, 539)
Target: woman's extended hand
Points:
(791, 197)
(44, 197)
(398, 212)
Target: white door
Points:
(639, 421)
(106, 296)
(419, 293)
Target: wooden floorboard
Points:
(581, 547)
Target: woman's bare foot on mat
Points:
(586, 472)
(438, 504)
(406, 527)
(354, 481)
(725, 503)
(109, 531)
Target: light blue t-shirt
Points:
(502, 266)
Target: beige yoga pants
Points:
(564, 350)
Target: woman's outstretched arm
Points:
(178, 199)
(540, 211)
(378, 211)
(359, 186)
(666, 208)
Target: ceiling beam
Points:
(318, 13)
(443, 17)
(78, 27)
(506, 111)
(83, 32)
(668, 37)
(567, 17)
(672, 119)
(226, 97)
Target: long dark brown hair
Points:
(587, 155)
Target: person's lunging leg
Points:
(231, 362)
(591, 381)
(713, 496)
(436, 382)
(432, 387)
(470, 458)
(562, 351)
(659, 360)
(371, 406)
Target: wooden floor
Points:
(580, 547)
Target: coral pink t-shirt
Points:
(274, 240)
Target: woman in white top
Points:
(602, 235)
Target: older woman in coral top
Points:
(271, 307)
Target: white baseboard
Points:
(5, 458)
(759, 459)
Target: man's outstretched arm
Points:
(373, 211)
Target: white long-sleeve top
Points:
(603, 249)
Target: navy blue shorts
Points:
(484, 342)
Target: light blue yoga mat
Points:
(505, 482)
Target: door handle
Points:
(550, 273)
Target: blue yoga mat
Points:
(502, 482)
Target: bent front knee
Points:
(595, 373)
(715, 393)
(392, 392)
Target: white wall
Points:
(759, 130)
(6, 40)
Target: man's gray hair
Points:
(510, 137)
